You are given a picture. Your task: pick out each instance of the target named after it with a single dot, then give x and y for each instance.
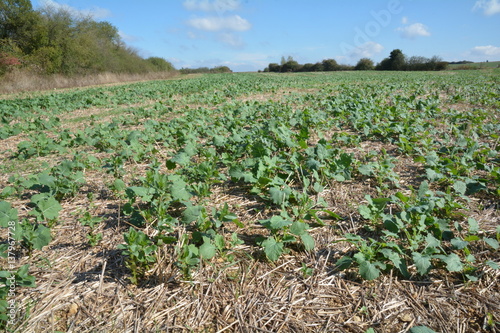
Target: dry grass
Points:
(23, 81)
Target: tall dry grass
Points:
(18, 81)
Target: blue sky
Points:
(247, 35)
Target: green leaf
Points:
(119, 185)
(492, 264)
(343, 263)
(422, 263)
(207, 249)
(332, 214)
(432, 242)
(307, 240)
(190, 149)
(368, 271)
(460, 187)
(298, 228)
(365, 212)
(275, 223)
(7, 214)
(279, 196)
(459, 244)
(272, 249)
(453, 262)
(43, 237)
(473, 225)
(191, 214)
(23, 279)
(178, 191)
(219, 242)
(421, 329)
(491, 242)
(181, 158)
(396, 260)
(366, 169)
(48, 207)
(145, 193)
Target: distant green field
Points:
(476, 65)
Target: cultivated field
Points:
(340, 202)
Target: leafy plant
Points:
(283, 233)
(9, 281)
(139, 250)
(91, 222)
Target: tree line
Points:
(55, 41)
(206, 70)
(397, 61)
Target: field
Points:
(476, 65)
(341, 202)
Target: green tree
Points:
(330, 65)
(20, 25)
(274, 68)
(364, 64)
(397, 60)
(290, 66)
(160, 64)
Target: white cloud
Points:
(486, 51)
(213, 23)
(366, 50)
(94, 12)
(489, 7)
(219, 6)
(231, 39)
(414, 30)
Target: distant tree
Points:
(384, 65)
(364, 64)
(317, 67)
(397, 60)
(330, 65)
(160, 64)
(221, 69)
(290, 66)
(274, 68)
(417, 63)
(308, 67)
(283, 60)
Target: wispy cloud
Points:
(215, 23)
(231, 40)
(219, 6)
(221, 26)
(94, 12)
(486, 51)
(414, 30)
(489, 7)
(366, 50)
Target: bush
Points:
(364, 64)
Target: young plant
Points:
(140, 252)
(283, 233)
(92, 222)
